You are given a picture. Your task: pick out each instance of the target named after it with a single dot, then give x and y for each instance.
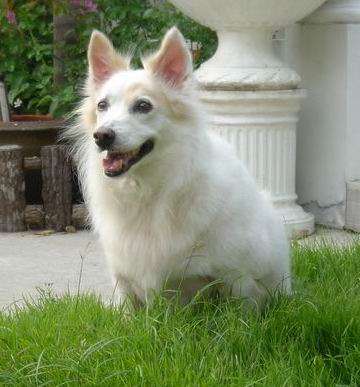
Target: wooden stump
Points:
(35, 216)
(12, 189)
(32, 163)
(80, 216)
(57, 186)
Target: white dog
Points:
(173, 206)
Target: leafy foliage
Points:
(26, 54)
(26, 50)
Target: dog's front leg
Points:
(123, 296)
(252, 292)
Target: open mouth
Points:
(117, 163)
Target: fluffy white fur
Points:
(188, 212)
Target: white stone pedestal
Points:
(261, 125)
(252, 95)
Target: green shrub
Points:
(26, 50)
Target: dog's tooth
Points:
(119, 164)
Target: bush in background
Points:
(27, 46)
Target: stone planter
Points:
(245, 57)
(252, 95)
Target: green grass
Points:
(309, 339)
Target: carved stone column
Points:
(252, 95)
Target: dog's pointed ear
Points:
(103, 59)
(172, 62)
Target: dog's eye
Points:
(142, 106)
(102, 106)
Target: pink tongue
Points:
(112, 162)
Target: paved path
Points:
(337, 237)
(29, 261)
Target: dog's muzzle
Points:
(116, 163)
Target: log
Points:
(32, 163)
(57, 186)
(12, 189)
(79, 216)
(35, 216)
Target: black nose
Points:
(104, 138)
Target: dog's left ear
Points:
(173, 61)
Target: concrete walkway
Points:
(30, 261)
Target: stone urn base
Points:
(253, 96)
(261, 126)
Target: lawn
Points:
(309, 339)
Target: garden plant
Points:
(28, 46)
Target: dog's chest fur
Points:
(151, 238)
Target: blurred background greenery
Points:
(43, 44)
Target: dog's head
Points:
(130, 111)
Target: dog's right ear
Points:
(103, 59)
